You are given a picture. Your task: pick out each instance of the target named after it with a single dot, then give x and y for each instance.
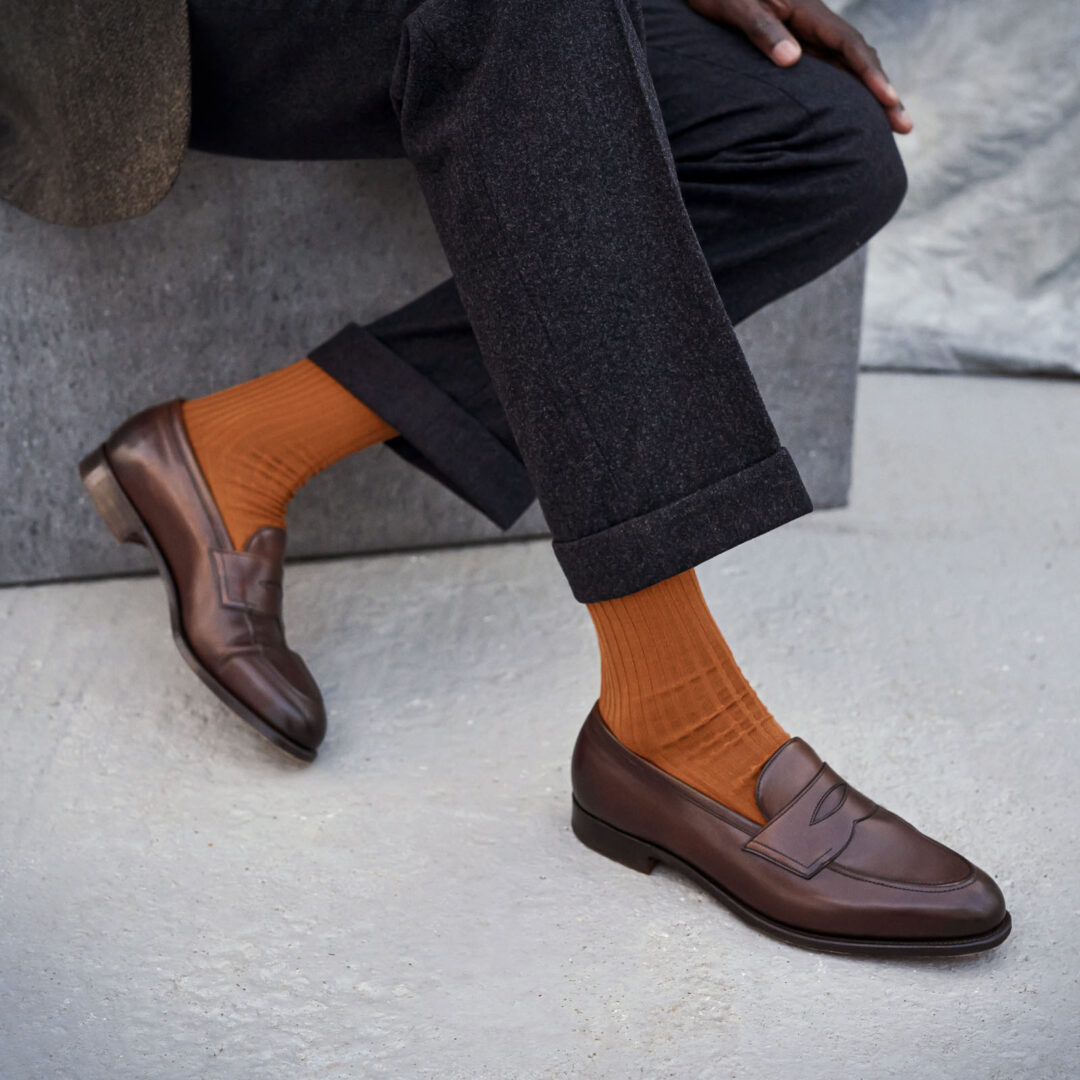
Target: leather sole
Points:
(123, 520)
(643, 856)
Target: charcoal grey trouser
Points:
(583, 350)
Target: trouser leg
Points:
(578, 284)
(783, 172)
(540, 148)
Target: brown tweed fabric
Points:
(94, 106)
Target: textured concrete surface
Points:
(245, 267)
(180, 901)
(981, 270)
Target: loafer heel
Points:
(613, 843)
(109, 499)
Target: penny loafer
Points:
(828, 870)
(225, 605)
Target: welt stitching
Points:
(905, 888)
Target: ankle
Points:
(690, 740)
(258, 442)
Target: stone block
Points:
(245, 267)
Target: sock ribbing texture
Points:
(672, 692)
(258, 442)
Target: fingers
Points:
(763, 28)
(864, 61)
(899, 119)
(839, 36)
(772, 37)
(825, 34)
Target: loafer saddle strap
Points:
(812, 829)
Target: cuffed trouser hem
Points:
(641, 551)
(436, 434)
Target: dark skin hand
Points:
(785, 29)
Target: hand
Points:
(785, 29)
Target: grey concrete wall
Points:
(245, 267)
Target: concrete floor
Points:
(179, 901)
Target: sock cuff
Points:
(258, 442)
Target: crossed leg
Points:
(782, 173)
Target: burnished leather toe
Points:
(225, 604)
(829, 868)
(282, 690)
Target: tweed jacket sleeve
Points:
(94, 106)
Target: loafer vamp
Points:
(828, 860)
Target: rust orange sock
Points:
(671, 691)
(258, 442)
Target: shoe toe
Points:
(279, 688)
(921, 888)
(980, 906)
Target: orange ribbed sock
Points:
(258, 442)
(671, 691)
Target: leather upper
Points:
(806, 830)
(230, 601)
(827, 860)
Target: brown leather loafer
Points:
(828, 870)
(225, 604)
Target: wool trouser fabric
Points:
(601, 173)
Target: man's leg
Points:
(599, 322)
(784, 173)
(782, 177)
(537, 137)
(541, 151)
(242, 436)
(662, 329)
